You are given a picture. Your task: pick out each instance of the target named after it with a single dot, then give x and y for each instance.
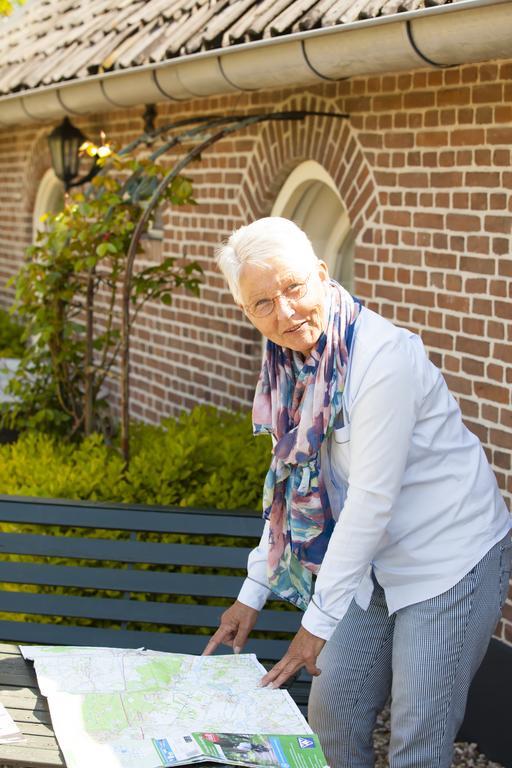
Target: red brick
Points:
(500, 246)
(405, 256)
(439, 340)
(467, 137)
(482, 307)
(501, 439)
(452, 323)
(473, 326)
(487, 93)
(478, 429)
(399, 140)
(387, 102)
(480, 266)
(452, 363)
(461, 222)
(504, 461)
(477, 244)
(498, 224)
(469, 407)
(432, 139)
(453, 97)
(503, 352)
(453, 303)
(458, 384)
(501, 135)
(397, 218)
(494, 372)
(496, 331)
(440, 260)
(419, 99)
(475, 285)
(473, 367)
(474, 347)
(391, 292)
(447, 179)
(413, 179)
(483, 179)
(429, 220)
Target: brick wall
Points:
(424, 169)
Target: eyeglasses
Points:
(291, 294)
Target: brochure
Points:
(245, 749)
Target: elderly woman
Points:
(377, 487)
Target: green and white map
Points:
(108, 704)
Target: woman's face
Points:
(293, 323)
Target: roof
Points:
(53, 41)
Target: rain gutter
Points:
(437, 37)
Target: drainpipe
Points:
(439, 37)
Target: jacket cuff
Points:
(253, 594)
(319, 623)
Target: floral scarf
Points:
(297, 401)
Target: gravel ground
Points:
(465, 755)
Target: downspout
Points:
(450, 35)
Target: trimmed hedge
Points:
(205, 458)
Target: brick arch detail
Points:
(38, 162)
(281, 146)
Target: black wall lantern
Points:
(65, 141)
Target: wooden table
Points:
(19, 693)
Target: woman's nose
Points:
(283, 307)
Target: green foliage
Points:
(77, 260)
(11, 333)
(205, 458)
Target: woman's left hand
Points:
(303, 652)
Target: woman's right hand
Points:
(236, 624)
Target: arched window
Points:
(49, 199)
(310, 198)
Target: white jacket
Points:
(409, 484)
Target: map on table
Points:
(110, 706)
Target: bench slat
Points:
(129, 580)
(124, 550)
(28, 757)
(137, 610)
(60, 634)
(131, 518)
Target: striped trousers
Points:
(424, 656)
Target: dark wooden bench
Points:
(153, 588)
(93, 587)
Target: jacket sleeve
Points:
(255, 590)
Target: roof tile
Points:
(50, 41)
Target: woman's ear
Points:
(323, 272)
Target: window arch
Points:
(49, 199)
(311, 199)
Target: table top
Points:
(19, 693)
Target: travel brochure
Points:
(246, 749)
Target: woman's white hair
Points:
(260, 241)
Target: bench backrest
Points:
(129, 576)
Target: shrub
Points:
(205, 458)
